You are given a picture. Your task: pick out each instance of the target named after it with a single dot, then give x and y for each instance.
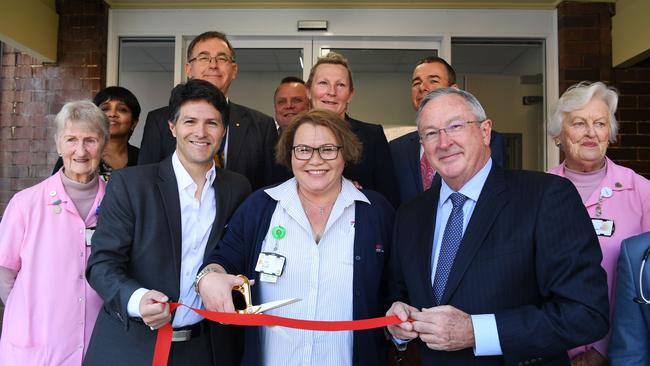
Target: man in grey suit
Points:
(630, 344)
(251, 135)
(156, 224)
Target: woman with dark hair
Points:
(123, 110)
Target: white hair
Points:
(83, 113)
(576, 97)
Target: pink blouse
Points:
(51, 309)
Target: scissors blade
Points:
(276, 304)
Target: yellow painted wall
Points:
(630, 32)
(31, 26)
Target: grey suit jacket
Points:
(138, 244)
(630, 343)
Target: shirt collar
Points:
(471, 189)
(287, 192)
(184, 179)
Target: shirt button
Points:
(357, 258)
(81, 299)
(81, 254)
(81, 231)
(81, 277)
(187, 273)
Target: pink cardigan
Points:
(629, 207)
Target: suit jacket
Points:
(240, 247)
(138, 244)
(251, 140)
(375, 170)
(529, 255)
(405, 152)
(630, 343)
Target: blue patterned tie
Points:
(450, 242)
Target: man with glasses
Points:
(414, 173)
(251, 136)
(493, 266)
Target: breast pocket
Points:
(345, 247)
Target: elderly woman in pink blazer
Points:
(617, 199)
(44, 244)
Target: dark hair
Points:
(210, 35)
(120, 94)
(332, 58)
(451, 74)
(351, 147)
(287, 80)
(194, 90)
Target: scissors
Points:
(246, 306)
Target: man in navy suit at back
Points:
(411, 166)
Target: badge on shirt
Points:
(89, 235)
(270, 266)
(603, 227)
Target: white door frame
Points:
(438, 24)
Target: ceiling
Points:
(393, 4)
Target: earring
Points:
(558, 143)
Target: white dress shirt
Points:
(318, 273)
(197, 217)
(486, 336)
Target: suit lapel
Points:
(489, 205)
(237, 128)
(414, 160)
(223, 195)
(429, 210)
(168, 188)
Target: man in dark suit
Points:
(430, 73)
(251, 135)
(290, 99)
(631, 325)
(494, 267)
(157, 224)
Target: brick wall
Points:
(31, 93)
(585, 52)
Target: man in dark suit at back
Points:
(410, 166)
(156, 224)
(494, 266)
(290, 99)
(251, 135)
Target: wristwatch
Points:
(206, 270)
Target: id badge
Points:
(89, 235)
(603, 227)
(270, 264)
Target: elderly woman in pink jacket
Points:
(44, 244)
(617, 199)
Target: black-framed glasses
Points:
(454, 129)
(204, 59)
(326, 152)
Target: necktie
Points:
(427, 172)
(450, 242)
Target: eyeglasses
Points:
(454, 129)
(326, 152)
(204, 59)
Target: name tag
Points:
(89, 235)
(270, 264)
(603, 227)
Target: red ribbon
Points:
(164, 338)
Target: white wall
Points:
(152, 90)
